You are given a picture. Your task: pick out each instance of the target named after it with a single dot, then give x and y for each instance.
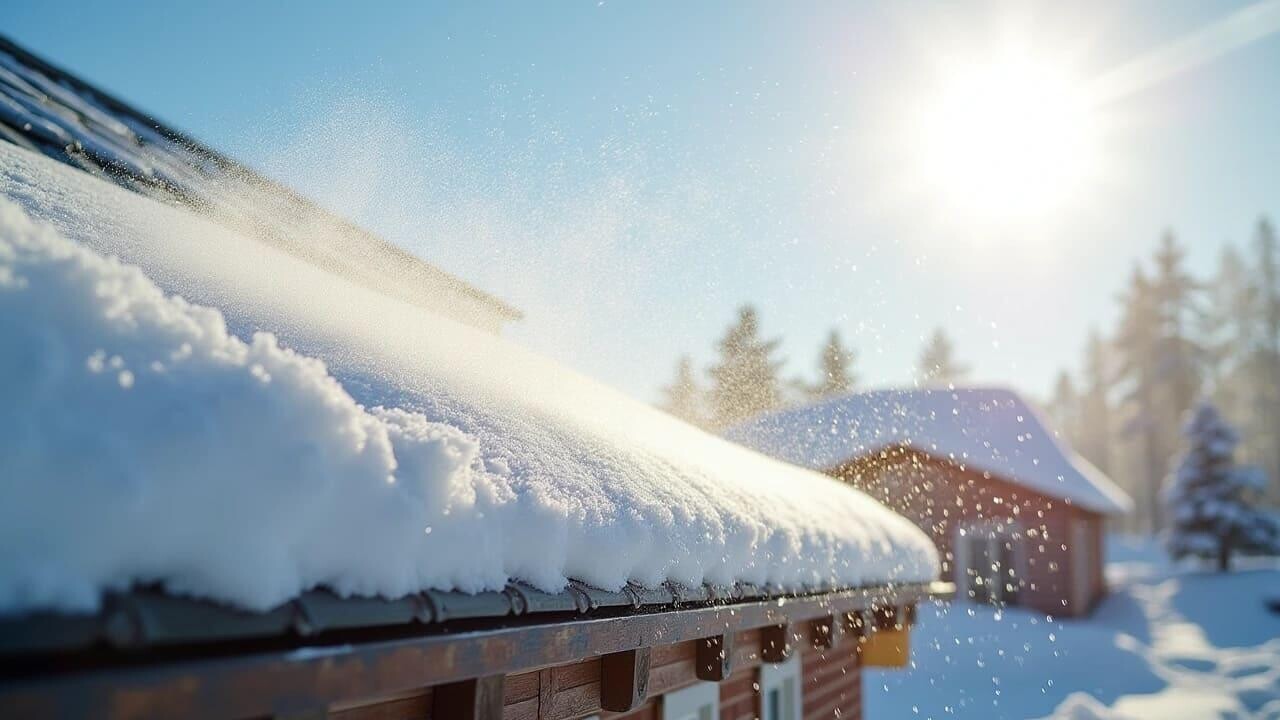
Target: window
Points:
(696, 702)
(780, 690)
(987, 562)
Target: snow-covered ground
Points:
(1170, 642)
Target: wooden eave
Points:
(314, 673)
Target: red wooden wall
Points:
(940, 496)
(831, 687)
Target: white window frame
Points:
(776, 677)
(689, 703)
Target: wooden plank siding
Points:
(938, 496)
(1095, 526)
(832, 683)
(830, 678)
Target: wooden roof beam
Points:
(474, 699)
(715, 657)
(826, 632)
(775, 643)
(624, 679)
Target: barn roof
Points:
(49, 110)
(988, 429)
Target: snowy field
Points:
(1168, 643)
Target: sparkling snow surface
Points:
(986, 429)
(1168, 643)
(146, 438)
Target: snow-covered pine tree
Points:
(745, 380)
(683, 397)
(1210, 498)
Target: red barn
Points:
(1017, 516)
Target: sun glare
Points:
(1004, 139)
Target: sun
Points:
(1006, 138)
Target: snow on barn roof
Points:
(362, 445)
(48, 110)
(987, 429)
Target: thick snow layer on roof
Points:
(73, 124)
(365, 445)
(987, 429)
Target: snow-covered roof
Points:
(45, 109)
(984, 428)
(279, 427)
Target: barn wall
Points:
(940, 497)
(1100, 568)
(831, 682)
(1096, 527)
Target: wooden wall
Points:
(832, 684)
(1095, 526)
(831, 680)
(939, 496)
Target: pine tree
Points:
(1230, 323)
(1210, 497)
(937, 361)
(745, 380)
(1095, 409)
(682, 397)
(1228, 341)
(1175, 295)
(1064, 408)
(1137, 344)
(1265, 365)
(1268, 269)
(835, 376)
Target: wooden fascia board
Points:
(306, 679)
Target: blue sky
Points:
(629, 173)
